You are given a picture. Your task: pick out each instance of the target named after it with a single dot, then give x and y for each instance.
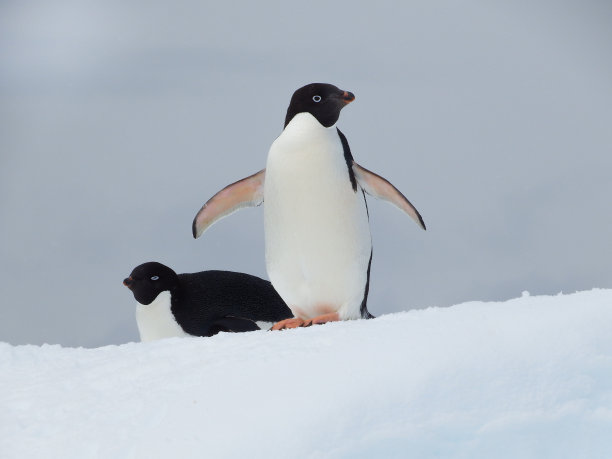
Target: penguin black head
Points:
(323, 101)
(149, 280)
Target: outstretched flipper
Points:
(380, 188)
(247, 192)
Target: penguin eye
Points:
(155, 278)
(316, 98)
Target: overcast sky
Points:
(118, 120)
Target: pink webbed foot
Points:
(322, 319)
(297, 322)
(288, 323)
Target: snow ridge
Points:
(530, 378)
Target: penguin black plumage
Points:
(201, 304)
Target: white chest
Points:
(155, 320)
(316, 227)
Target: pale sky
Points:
(118, 121)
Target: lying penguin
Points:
(317, 234)
(201, 304)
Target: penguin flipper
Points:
(231, 324)
(247, 192)
(381, 188)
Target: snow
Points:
(529, 377)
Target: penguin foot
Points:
(288, 323)
(297, 322)
(331, 317)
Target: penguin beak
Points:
(128, 281)
(347, 97)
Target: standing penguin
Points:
(200, 304)
(318, 243)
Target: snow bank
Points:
(530, 377)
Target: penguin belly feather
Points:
(156, 321)
(318, 241)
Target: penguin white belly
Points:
(317, 233)
(156, 321)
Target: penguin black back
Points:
(225, 294)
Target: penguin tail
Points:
(363, 309)
(365, 314)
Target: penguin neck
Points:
(306, 145)
(305, 127)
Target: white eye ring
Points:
(155, 278)
(316, 98)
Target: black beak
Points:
(347, 97)
(128, 282)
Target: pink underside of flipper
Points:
(247, 192)
(381, 188)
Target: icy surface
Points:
(529, 378)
